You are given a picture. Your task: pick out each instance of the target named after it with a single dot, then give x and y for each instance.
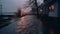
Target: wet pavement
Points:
(11, 28)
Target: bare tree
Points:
(28, 23)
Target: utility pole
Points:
(0, 8)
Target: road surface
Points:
(10, 29)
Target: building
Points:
(54, 11)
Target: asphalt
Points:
(9, 27)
